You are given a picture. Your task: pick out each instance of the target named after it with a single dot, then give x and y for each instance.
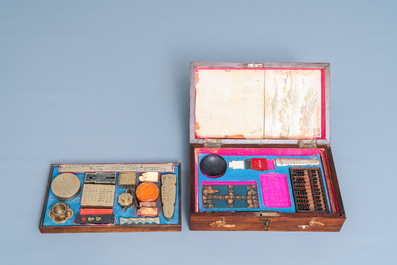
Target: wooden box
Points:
(260, 155)
(112, 198)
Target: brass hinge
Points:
(306, 144)
(255, 65)
(212, 143)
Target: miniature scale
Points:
(125, 200)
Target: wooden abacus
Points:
(308, 189)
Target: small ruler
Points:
(284, 162)
(84, 168)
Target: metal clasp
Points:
(263, 217)
(267, 223)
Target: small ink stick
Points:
(259, 164)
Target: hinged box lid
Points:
(259, 103)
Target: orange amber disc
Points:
(147, 192)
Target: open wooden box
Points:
(105, 198)
(266, 127)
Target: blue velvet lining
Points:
(117, 209)
(253, 175)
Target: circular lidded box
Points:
(147, 192)
(66, 187)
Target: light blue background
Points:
(108, 81)
(254, 175)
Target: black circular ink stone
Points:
(213, 166)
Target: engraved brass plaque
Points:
(98, 195)
(84, 168)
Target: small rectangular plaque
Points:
(83, 168)
(100, 178)
(127, 178)
(97, 195)
(95, 219)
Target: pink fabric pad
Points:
(270, 165)
(275, 190)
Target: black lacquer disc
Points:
(213, 166)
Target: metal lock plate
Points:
(263, 216)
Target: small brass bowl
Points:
(60, 212)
